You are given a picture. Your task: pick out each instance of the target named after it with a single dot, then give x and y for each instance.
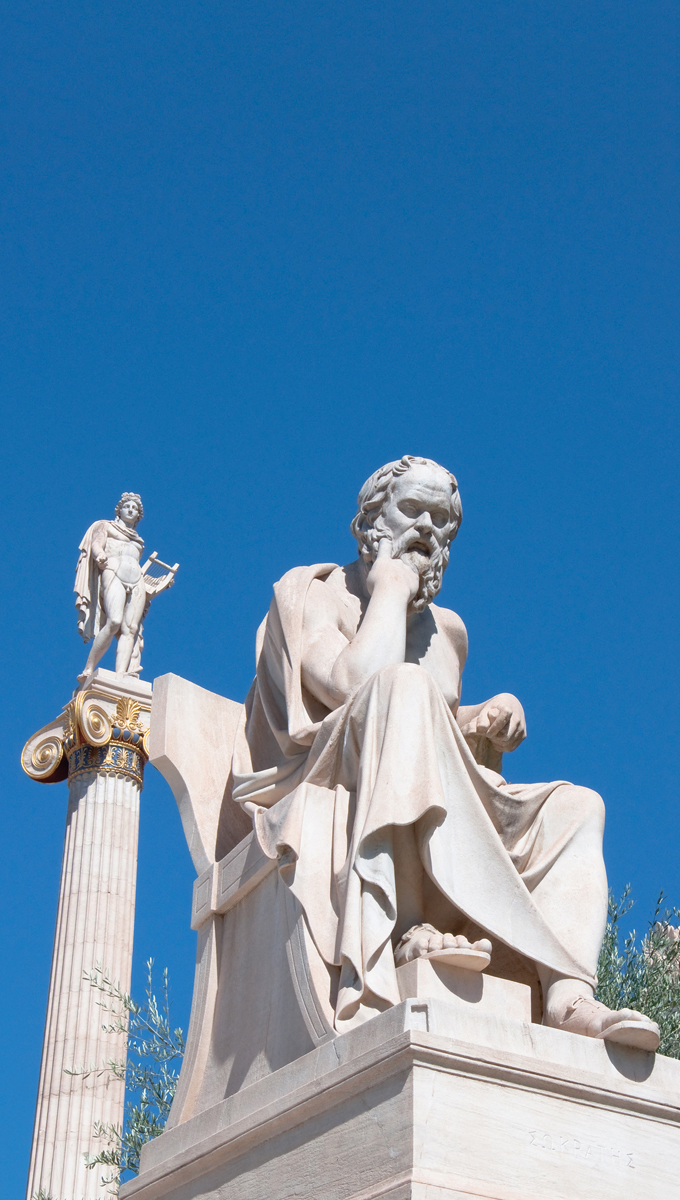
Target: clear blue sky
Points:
(252, 251)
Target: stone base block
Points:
(434, 1101)
(441, 981)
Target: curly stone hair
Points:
(375, 491)
(130, 496)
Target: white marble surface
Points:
(252, 1010)
(113, 591)
(95, 924)
(483, 992)
(315, 1067)
(191, 743)
(381, 793)
(285, 922)
(431, 1101)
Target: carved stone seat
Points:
(259, 987)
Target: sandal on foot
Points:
(585, 1017)
(475, 957)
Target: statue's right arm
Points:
(322, 643)
(99, 541)
(332, 666)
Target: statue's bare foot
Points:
(424, 941)
(587, 1016)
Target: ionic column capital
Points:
(105, 727)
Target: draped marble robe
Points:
(331, 794)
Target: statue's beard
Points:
(430, 566)
(431, 575)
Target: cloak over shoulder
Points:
(88, 580)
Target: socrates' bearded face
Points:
(417, 516)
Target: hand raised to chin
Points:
(392, 574)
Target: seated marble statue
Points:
(355, 761)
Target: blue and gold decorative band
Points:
(97, 731)
(113, 758)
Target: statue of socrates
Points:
(381, 795)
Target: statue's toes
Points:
(627, 1014)
(415, 947)
(637, 1031)
(420, 944)
(484, 945)
(592, 1018)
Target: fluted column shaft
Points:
(95, 927)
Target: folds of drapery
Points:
(327, 794)
(87, 589)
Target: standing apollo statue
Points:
(113, 592)
(99, 743)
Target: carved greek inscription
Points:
(597, 1154)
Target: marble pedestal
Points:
(433, 1101)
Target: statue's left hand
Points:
(502, 721)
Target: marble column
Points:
(100, 744)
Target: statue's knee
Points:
(588, 804)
